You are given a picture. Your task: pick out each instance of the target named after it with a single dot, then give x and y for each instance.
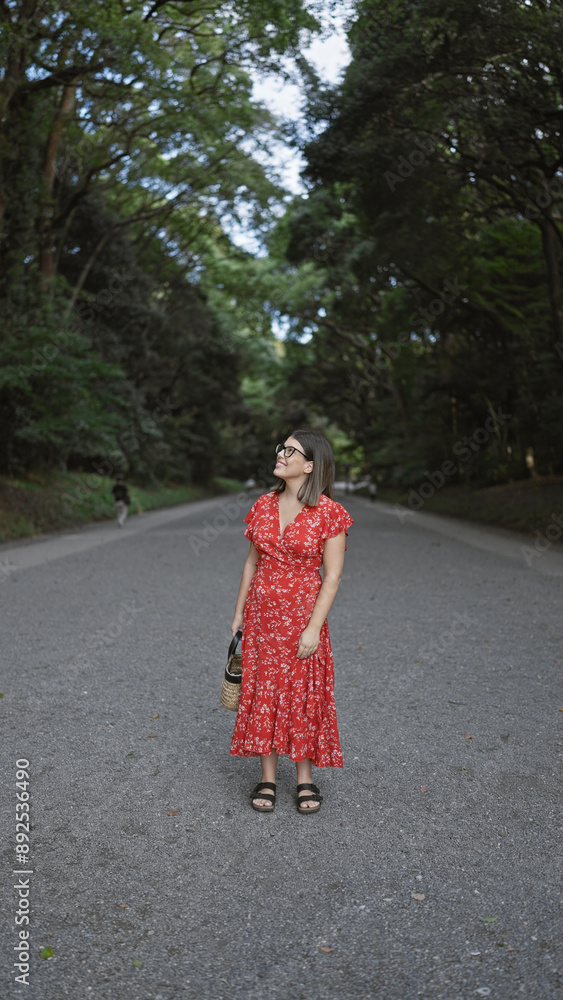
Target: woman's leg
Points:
(269, 765)
(304, 777)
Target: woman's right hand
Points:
(237, 623)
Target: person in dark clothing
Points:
(122, 500)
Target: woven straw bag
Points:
(230, 689)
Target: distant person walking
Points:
(122, 500)
(287, 698)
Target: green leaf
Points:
(488, 920)
(136, 963)
(47, 953)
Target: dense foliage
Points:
(430, 247)
(130, 148)
(418, 284)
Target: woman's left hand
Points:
(308, 642)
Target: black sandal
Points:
(315, 797)
(257, 794)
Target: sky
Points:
(329, 55)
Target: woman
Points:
(287, 698)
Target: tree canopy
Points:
(129, 139)
(411, 297)
(434, 199)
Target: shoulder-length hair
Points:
(320, 480)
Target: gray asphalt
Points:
(153, 879)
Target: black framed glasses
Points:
(287, 452)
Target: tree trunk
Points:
(46, 234)
(553, 253)
(87, 268)
(400, 404)
(13, 74)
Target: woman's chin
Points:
(279, 471)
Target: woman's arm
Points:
(333, 562)
(247, 574)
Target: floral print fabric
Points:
(287, 705)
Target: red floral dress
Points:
(286, 704)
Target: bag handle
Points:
(234, 643)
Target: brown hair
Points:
(320, 480)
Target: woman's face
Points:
(296, 466)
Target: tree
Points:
(128, 132)
(434, 166)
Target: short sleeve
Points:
(259, 507)
(337, 519)
(249, 519)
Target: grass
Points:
(526, 505)
(38, 504)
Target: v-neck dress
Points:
(286, 704)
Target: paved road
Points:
(432, 869)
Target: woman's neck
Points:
(292, 489)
